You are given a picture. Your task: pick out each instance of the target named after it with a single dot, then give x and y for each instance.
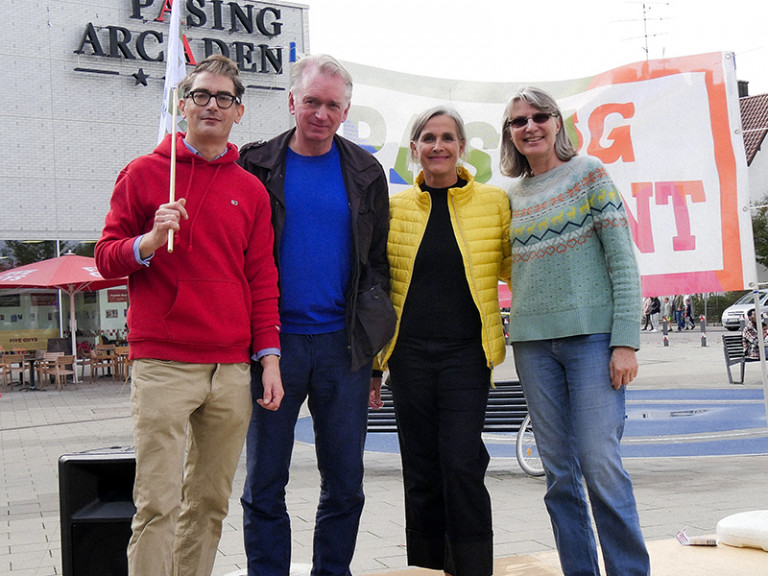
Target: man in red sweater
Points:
(197, 316)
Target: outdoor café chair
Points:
(46, 362)
(103, 358)
(62, 367)
(122, 363)
(12, 364)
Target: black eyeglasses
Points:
(522, 121)
(223, 100)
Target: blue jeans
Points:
(680, 319)
(578, 419)
(315, 367)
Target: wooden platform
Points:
(668, 558)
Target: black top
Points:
(439, 303)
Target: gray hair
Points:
(421, 120)
(324, 64)
(515, 164)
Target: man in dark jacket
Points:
(330, 212)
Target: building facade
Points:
(83, 95)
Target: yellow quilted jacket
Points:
(480, 216)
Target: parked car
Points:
(736, 313)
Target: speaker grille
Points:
(96, 507)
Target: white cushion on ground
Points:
(745, 530)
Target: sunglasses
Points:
(522, 121)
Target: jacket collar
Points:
(360, 168)
(458, 194)
(272, 154)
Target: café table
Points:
(30, 360)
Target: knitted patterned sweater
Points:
(573, 264)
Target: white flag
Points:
(175, 68)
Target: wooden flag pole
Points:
(172, 187)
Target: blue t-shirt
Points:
(316, 246)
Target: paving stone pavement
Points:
(36, 428)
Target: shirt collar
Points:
(194, 150)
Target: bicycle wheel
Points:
(527, 453)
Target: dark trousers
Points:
(440, 392)
(314, 368)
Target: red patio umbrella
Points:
(69, 273)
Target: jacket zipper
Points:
(472, 281)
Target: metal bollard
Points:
(665, 331)
(703, 324)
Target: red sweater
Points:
(214, 299)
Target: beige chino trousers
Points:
(190, 422)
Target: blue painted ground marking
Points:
(660, 423)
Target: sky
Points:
(540, 40)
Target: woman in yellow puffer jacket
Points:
(448, 247)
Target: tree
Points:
(21, 253)
(760, 232)
(17, 253)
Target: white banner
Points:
(668, 131)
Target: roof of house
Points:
(754, 121)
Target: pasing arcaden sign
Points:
(255, 27)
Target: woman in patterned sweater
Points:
(574, 326)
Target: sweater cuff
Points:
(625, 333)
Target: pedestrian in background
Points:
(647, 313)
(689, 314)
(655, 312)
(680, 312)
(751, 338)
(667, 310)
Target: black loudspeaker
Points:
(96, 502)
